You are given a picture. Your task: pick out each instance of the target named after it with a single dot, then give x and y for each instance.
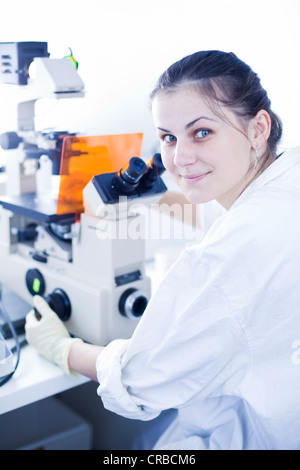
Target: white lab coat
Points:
(220, 338)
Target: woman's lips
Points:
(194, 178)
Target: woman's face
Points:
(208, 157)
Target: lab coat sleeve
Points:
(186, 344)
(113, 392)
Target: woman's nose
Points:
(184, 154)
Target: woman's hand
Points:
(48, 335)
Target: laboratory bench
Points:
(30, 415)
(41, 408)
(35, 379)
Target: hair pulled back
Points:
(225, 80)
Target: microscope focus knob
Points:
(10, 140)
(60, 303)
(132, 303)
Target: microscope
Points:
(86, 258)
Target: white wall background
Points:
(123, 46)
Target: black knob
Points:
(132, 303)
(60, 303)
(35, 282)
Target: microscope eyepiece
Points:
(155, 168)
(135, 179)
(127, 179)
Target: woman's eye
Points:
(169, 138)
(201, 133)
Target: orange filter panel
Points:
(85, 157)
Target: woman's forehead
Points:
(184, 99)
(186, 104)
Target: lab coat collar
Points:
(287, 160)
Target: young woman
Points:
(218, 340)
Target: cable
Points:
(17, 347)
(71, 57)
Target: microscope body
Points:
(91, 269)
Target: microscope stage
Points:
(41, 208)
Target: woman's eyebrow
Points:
(164, 130)
(190, 124)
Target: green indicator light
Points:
(36, 285)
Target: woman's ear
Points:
(261, 128)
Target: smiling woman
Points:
(215, 122)
(207, 157)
